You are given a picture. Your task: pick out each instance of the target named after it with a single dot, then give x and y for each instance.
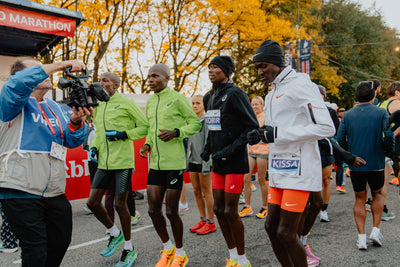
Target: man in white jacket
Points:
(296, 118)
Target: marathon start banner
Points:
(36, 22)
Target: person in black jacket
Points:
(229, 117)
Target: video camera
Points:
(82, 94)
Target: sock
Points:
(303, 240)
(324, 207)
(180, 252)
(233, 255)
(128, 245)
(375, 229)
(242, 260)
(168, 245)
(203, 219)
(210, 222)
(385, 209)
(114, 231)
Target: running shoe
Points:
(135, 219)
(246, 211)
(7, 250)
(323, 216)
(86, 208)
(197, 226)
(113, 244)
(347, 172)
(312, 261)
(394, 181)
(376, 237)
(241, 199)
(241, 265)
(262, 214)
(231, 263)
(309, 253)
(386, 216)
(362, 243)
(179, 261)
(207, 228)
(183, 207)
(340, 189)
(166, 257)
(253, 188)
(368, 205)
(127, 258)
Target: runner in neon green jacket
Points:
(122, 114)
(169, 110)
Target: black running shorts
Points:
(375, 180)
(122, 179)
(171, 179)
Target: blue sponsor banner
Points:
(305, 56)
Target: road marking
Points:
(95, 241)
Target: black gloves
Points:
(264, 134)
(205, 155)
(112, 135)
(92, 154)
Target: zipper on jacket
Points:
(104, 124)
(158, 152)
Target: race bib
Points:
(285, 163)
(58, 151)
(213, 120)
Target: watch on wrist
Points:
(78, 123)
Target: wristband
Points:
(177, 132)
(78, 123)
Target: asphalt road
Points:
(334, 242)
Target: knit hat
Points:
(270, 52)
(322, 90)
(225, 63)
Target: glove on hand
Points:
(205, 155)
(253, 137)
(116, 135)
(266, 133)
(92, 154)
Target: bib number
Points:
(285, 164)
(213, 120)
(58, 151)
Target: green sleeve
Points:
(193, 124)
(137, 117)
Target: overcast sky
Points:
(389, 9)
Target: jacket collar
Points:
(164, 91)
(284, 73)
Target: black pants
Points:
(43, 227)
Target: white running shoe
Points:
(362, 244)
(183, 207)
(135, 219)
(323, 216)
(241, 199)
(376, 237)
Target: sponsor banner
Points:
(36, 22)
(290, 54)
(77, 166)
(305, 56)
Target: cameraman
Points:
(34, 134)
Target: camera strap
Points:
(48, 121)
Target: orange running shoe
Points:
(394, 181)
(166, 257)
(231, 263)
(179, 261)
(199, 225)
(340, 189)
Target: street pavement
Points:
(334, 242)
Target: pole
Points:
(298, 37)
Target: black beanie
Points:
(270, 52)
(365, 92)
(225, 63)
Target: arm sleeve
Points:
(193, 124)
(16, 91)
(248, 119)
(318, 122)
(139, 121)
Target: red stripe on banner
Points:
(36, 22)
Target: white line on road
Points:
(96, 241)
